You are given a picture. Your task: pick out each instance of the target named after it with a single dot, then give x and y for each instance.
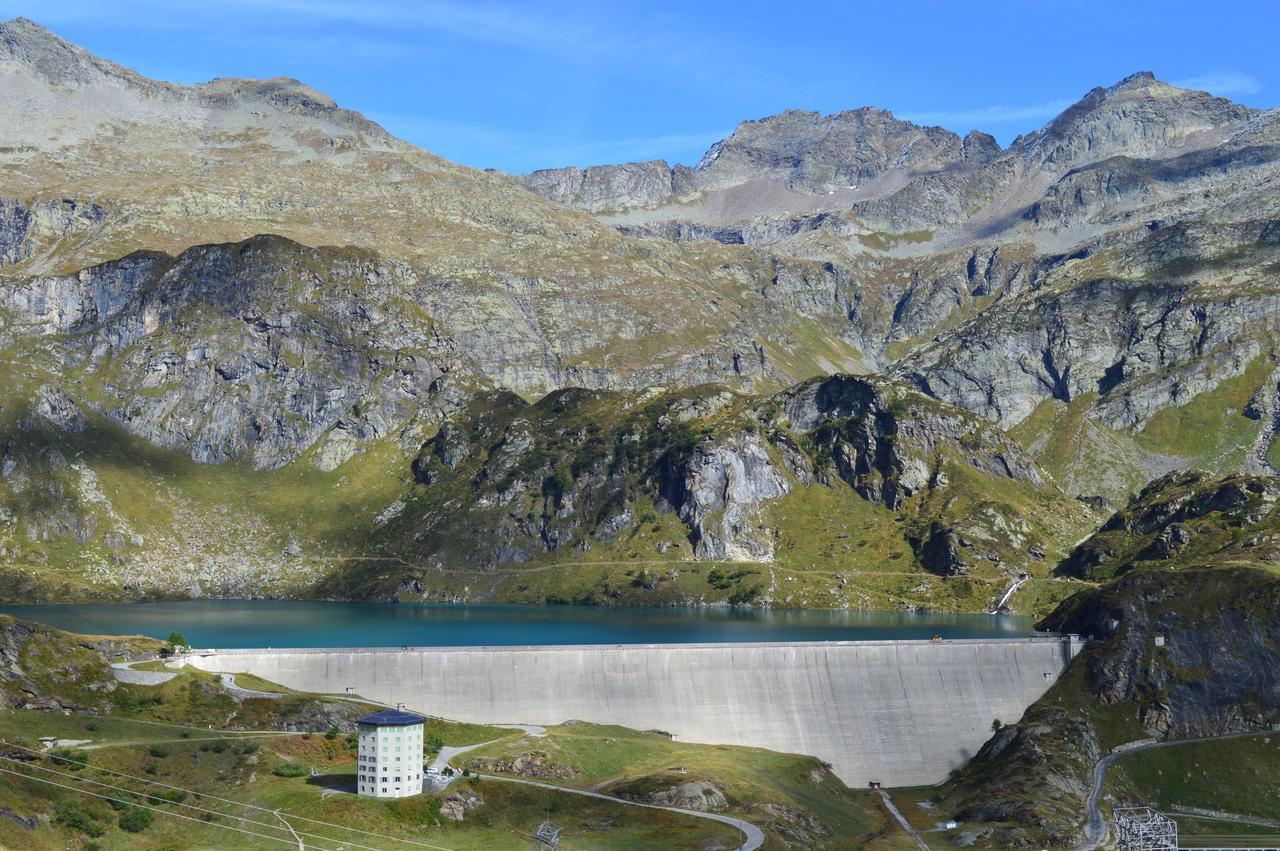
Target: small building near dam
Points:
(390, 754)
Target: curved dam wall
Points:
(901, 712)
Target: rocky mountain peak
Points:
(23, 42)
(815, 153)
(284, 92)
(980, 147)
(1138, 116)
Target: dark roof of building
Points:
(391, 718)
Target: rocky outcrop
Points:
(724, 486)
(610, 187)
(1148, 337)
(1175, 654)
(538, 765)
(1184, 518)
(886, 441)
(1139, 115)
(663, 791)
(1049, 750)
(456, 805)
(816, 153)
(795, 824)
(252, 351)
(44, 668)
(26, 231)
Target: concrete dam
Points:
(900, 712)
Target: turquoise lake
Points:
(291, 623)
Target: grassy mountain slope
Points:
(836, 493)
(1183, 645)
(191, 733)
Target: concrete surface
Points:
(900, 712)
(229, 682)
(126, 674)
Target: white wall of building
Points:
(390, 761)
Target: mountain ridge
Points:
(415, 380)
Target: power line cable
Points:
(230, 800)
(204, 810)
(143, 806)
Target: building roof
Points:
(391, 718)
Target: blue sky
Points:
(518, 86)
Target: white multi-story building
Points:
(390, 764)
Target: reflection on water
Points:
(290, 623)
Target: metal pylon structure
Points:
(1144, 829)
(547, 836)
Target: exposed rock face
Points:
(57, 409)
(1218, 669)
(1149, 336)
(816, 153)
(250, 351)
(1184, 518)
(1049, 749)
(603, 188)
(1138, 148)
(456, 805)
(885, 444)
(43, 668)
(724, 485)
(1139, 115)
(1086, 290)
(507, 482)
(805, 152)
(1176, 652)
(1185, 650)
(795, 824)
(26, 231)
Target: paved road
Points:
(531, 729)
(902, 820)
(1095, 829)
(754, 836)
(446, 754)
(229, 680)
(124, 672)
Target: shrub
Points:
(745, 595)
(219, 746)
(158, 751)
(331, 733)
(136, 819)
(69, 758)
(170, 796)
(73, 816)
(248, 748)
(291, 769)
(717, 578)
